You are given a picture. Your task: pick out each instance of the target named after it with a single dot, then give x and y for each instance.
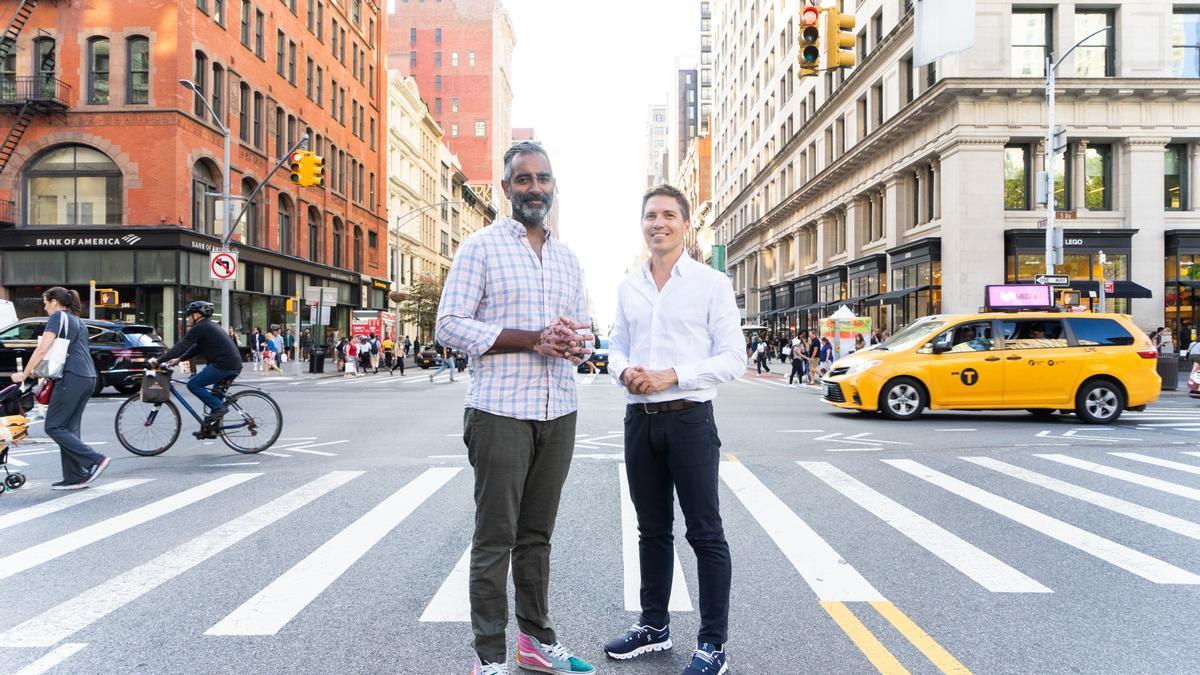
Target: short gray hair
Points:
(522, 148)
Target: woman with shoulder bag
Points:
(63, 354)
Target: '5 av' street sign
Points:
(1052, 279)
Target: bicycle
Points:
(149, 429)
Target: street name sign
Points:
(1052, 279)
(222, 265)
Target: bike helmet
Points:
(201, 307)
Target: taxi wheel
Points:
(1099, 402)
(902, 399)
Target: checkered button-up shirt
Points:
(498, 282)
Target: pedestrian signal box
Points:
(107, 297)
(1069, 298)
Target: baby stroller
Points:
(14, 401)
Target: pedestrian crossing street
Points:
(1094, 512)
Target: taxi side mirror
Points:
(941, 345)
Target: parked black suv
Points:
(120, 350)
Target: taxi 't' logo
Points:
(969, 376)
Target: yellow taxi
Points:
(1095, 365)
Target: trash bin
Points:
(1168, 370)
(316, 363)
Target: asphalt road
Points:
(998, 543)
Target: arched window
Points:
(201, 72)
(285, 225)
(251, 235)
(44, 65)
(73, 185)
(218, 93)
(314, 234)
(137, 69)
(97, 62)
(337, 242)
(205, 179)
(258, 114)
(244, 111)
(358, 249)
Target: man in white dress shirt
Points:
(677, 336)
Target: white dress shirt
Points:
(692, 326)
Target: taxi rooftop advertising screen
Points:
(1016, 297)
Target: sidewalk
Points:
(298, 370)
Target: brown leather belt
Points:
(664, 406)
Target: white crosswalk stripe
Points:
(277, 604)
(1157, 461)
(452, 602)
(73, 541)
(55, 505)
(1139, 563)
(1127, 476)
(679, 601)
(982, 568)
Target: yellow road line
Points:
(867, 643)
(730, 457)
(920, 639)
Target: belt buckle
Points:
(646, 409)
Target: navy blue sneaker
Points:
(707, 660)
(639, 640)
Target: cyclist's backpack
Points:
(156, 388)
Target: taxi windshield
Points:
(911, 335)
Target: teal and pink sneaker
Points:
(484, 668)
(555, 658)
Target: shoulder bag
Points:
(52, 365)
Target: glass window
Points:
(1175, 177)
(138, 70)
(1185, 43)
(968, 337)
(1099, 332)
(1097, 192)
(44, 61)
(98, 71)
(258, 34)
(1062, 182)
(1030, 42)
(1016, 177)
(1033, 334)
(480, 128)
(1095, 57)
(26, 330)
(204, 181)
(200, 75)
(74, 185)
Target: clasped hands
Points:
(559, 340)
(638, 380)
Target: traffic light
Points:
(298, 167)
(316, 169)
(838, 47)
(107, 297)
(810, 41)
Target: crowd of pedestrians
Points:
(811, 355)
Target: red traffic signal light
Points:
(297, 164)
(810, 40)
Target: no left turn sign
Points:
(222, 265)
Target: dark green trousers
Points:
(520, 467)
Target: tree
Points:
(419, 304)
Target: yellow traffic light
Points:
(298, 167)
(107, 297)
(316, 169)
(810, 41)
(839, 41)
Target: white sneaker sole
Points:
(648, 649)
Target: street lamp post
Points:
(225, 197)
(1053, 242)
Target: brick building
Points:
(112, 176)
(460, 53)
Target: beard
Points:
(533, 215)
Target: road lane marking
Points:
(1165, 463)
(85, 609)
(956, 430)
(980, 567)
(1136, 511)
(864, 639)
(299, 438)
(52, 659)
(680, 601)
(452, 602)
(829, 576)
(274, 454)
(235, 464)
(55, 505)
(920, 639)
(1126, 558)
(321, 445)
(277, 604)
(306, 451)
(1127, 476)
(876, 449)
(16, 462)
(73, 541)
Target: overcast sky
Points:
(583, 76)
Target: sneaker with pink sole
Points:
(555, 658)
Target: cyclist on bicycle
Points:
(224, 361)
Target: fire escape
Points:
(25, 97)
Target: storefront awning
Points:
(895, 297)
(809, 307)
(1121, 289)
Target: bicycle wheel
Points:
(252, 423)
(147, 429)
